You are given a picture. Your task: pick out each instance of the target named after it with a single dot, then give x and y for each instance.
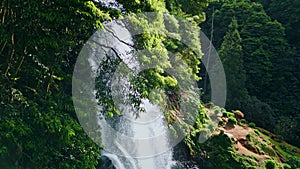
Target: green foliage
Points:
(27, 131)
(294, 162)
(270, 87)
(243, 121)
(256, 130)
(258, 112)
(286, 166)
(221, 154)
(39, 44)
(290, 153)
(219, 151)
(289, 16)
(41, 39)
(272, 54)
(232, 58)
(192, 9)
(138, 6)
(270, 164)
(232, 120)
(228, 114)
(288, 127)
(251, 124)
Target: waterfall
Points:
(103, 86)
(129, 142)
(149, 124)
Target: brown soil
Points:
(239, 133)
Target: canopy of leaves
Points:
(39, 44)
(269, 61)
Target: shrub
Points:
(243, 121)
(228, 114)
(286, 166)
(249, 136)
(270, 164)
(257, 131)
(258, 112)
(232, 120)
(251, 124)
(294, 162)
(225, 114)
(223, 110)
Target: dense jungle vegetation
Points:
(258, 42)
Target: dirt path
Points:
(239, 133)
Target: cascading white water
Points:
(118, 134)
(149, 124)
